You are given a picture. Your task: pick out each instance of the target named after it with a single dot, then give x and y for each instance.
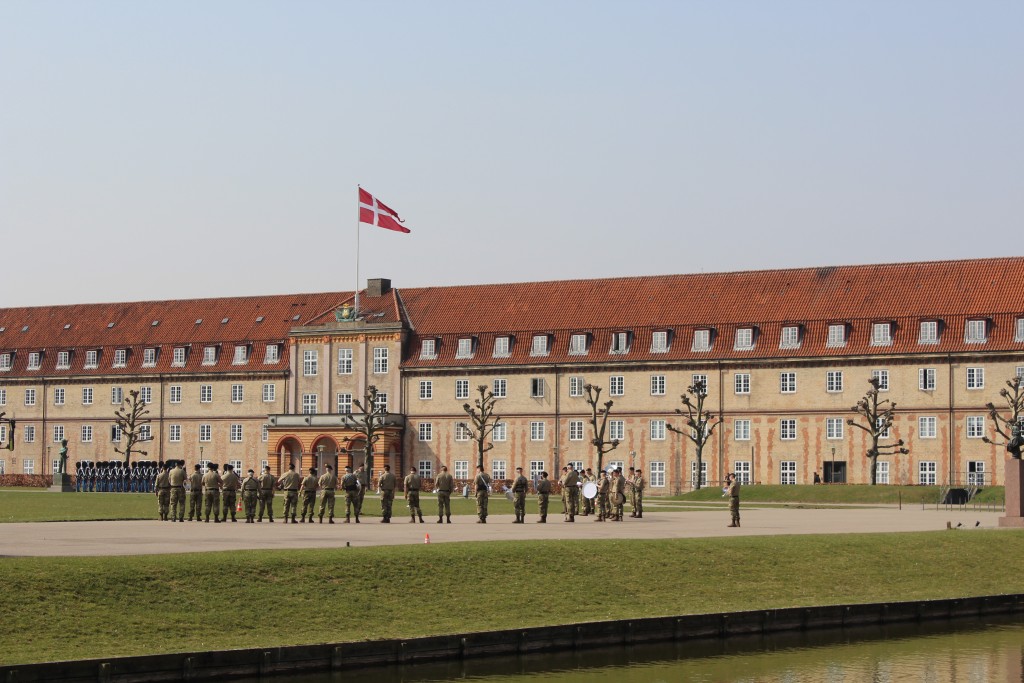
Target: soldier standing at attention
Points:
(445, 484)
(519, 486)
(618, 494)
(267, 482)
(733, 489)
(163, 493)
(195, 499)
(328, 483)
(363, 477)
(588, 503)
(603, 488)
(543, 494)
(309, 494)
(482, 484)
(290, 484)
(571, 490)
(631, 485)
(386, 488)
(412, 494)
(250, 493)
(565, 492)
(350, 483)
(638, 492)
(575, 497)
(176, 478)
(230, 484)
(211, 492)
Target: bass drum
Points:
(590, 490)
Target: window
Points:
(205, 433)
(536, 431)
(428, 349)
(537, 387)
(426, 431)
(1019, 334)
(500, 432)
(787, 472)
(578, 345)
(926, 379)
(500, 388)
(269, 393)
(265, 436)
(620, 342)
(787, 382)
(58, 433)
(742, 469)
(975, 378)
(975, 426)
(834, 428)
(701, 380)
(787, 429)
(616, 385)
(882, 472)
(5, 362)
(701, 340)
(426, 390)
(576, 385)
(237, 393)
(236, 433)
(616, 430)
(116, 395)
(35, 360)
(145, 433)
(657, 385)
(241, 355)
(659, 341)
(28, 466)
(309, 402)
(703, 472)
(86, 396)
(883, 379)
(498, 470)
(744, 339)
(539, 346)
(174, 433)
(836, 335)
(929, 332)
(146, 395)
(209, 355)
(575, 430)
(657, 430)
(790, 338)
(178, 357)
(273, 354)
(465, 348)
(741, 429)
(461, 388)
(427, 469)
(834, 381)
(501, 347)
(174, 393)
(462, 432)
(881, 334)
(657, 476)
(86, 434)
(741, 382)
(380, 360)
(115, 433)
(344, 403)
(883, 428)
(205, 393)
(58, 396)
(63, 360)
(976, 332)
(3, 402)
(975, 473)
(536, 467)
(30, 433)
(926, 473)
(148, 358)
(462, 469)
(30, 397)
(926, 427)
(310, 362)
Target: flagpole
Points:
(355, 311)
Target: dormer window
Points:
(178, 360)
(120, 358)
(744, 339)
(701, 340)
(1019, 334)
(465, 348)
(428, 349)
(790, 338)
(92, 359)
(148, 358)
(241, 354)
(209, 355)
(35, 360)
(273, 353)
(578, 345)
(836, 335)
(620, 342)
(881, 334)
(5, 362)
(929, 333)
(659, 341)
(63, 360)
(976, 331)
(540, 345)
(502, 346)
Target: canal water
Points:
(967, 651)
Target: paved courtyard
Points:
(153, 537)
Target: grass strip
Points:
(840, 494)
(81, 607)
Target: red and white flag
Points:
(376, 212)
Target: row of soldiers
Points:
(113, 476)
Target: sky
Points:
(156, 150)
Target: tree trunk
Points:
(700, 461)
(874, 468)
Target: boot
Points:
(357, 519)
(420, 514)
(303, 519)
(293, 519)
(440, 520)
(348, 519)
(413, 519)
(271, 520)
(449, 519)
(233, 519)
(330, 520)
(321, 519)
(542, 520)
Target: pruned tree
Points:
(878, 417)
(599, 414)
(9, 421)
(482, 421)
(368, 422)
(699, 422)
(133, 424)
(1004, 422)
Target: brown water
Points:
(976, 651)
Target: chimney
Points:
(378, 286)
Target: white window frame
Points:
(58, 433)
(539, 345)
(1018, 335)
(205, 433)
(659, 341)
(975, 378)
(789, 338)
(310, 404)
(425, 431)
(462, 469)
(461, 389)
(657, 385)
(976, 331)
(343, 402)
(272, 354)
(428, 349)
(701, 341)
(976, 473)
(499, 387)
(209, 355)
(92, 359)
(465, 348)
(426, 389)
(926, 379)
(575, 430)
(241, 355)
(537, 430)
(975, 426)
(620, 343)
(85, 434)
(883, 379)
(178, 357)
(834, 381)
(500, 432)
(174, 393)
(657, 430)
(576, 384)
(462, 432)
(787, 472)
(235, 435)
(426, 469)
(787, 382)
(703, 472)
(502, 347)
(741, 430)
(146, 395)
(656, 474)
(58, 396)
(380, 360)
(63, 360)
(536, 467)
(927, 472)
(30, 397)
(264, 437)
(5, 362)
(116, 395)
(617, 430)
(834, 428)
(29, 433)
(499, 470)
(310, 362)
(578, 345)
(149, 357)
(744, 339)
(927, 427)
(269, 392)
(237, 393)
(928, 332)
(881, 334)
(836, 335)
(742, 469)
(787, 429)
(174, 433)
(882, 472)
(206, 393)
(741, 383)
(536, 387)
(617, 385)
(35, 360)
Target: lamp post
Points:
(320, 457)
(632, 458)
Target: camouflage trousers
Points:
(308, 504)
(291, 504)
(249, 498)
(327, 503)
(212, 501)
(602, 506)
(412, 498)
(195, 504)
(444, 504)
(542, 504)
(519, 503)
(734, 509)
(574, 501)
(178, 503)
(387, 501)
(230, 499)
(481, 504)
(351, 504)
(267, 504)
(163, 499)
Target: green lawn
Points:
(840, 494)
(68, 608)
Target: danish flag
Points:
(376, 212)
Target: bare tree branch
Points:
(482, 421)
(700, 423)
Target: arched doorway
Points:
(355, 452)
(325, 452)
(290, 452)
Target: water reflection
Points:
(970, 651)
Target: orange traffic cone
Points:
(426, 539)
(239, 508)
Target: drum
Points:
(590, 490)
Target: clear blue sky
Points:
(194, 148)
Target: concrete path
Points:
(153, 537)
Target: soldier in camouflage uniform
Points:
(543, 494)
(733, 490)
(618, 494)
(328, 483)
(230, 484)
(267, 483)
(482, 485)
(386, 487)
(309, 494)
(571, 491)
(412, 494)
(519, 486)
(588, 503)
(211, 492)
(176, 478)
(639, 484)
(603, 489)
(350, 483)
(163, 493)
(290, 484)
(195, 495)
(445, 484)
(363, 477)
(250, 494)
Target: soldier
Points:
(350, 484)
(482, 484)
(631, 487)
(618, 494)
(176, 477)
(603, 489)
(519, 486)
(639, 484)
(211, 492)
(363, 476)
(230, 484)
(328, 483)
(571, 490)
(574, 496)
(195, 499)
(267, 482)
(543, 494)
(445, 484)
(386, 488)
(289, 483)
(733, 490)
(412, 494)
(163, 493)
(309, 494)
(588, 503)
(78, 477)
(565, 493)
(250, 492)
